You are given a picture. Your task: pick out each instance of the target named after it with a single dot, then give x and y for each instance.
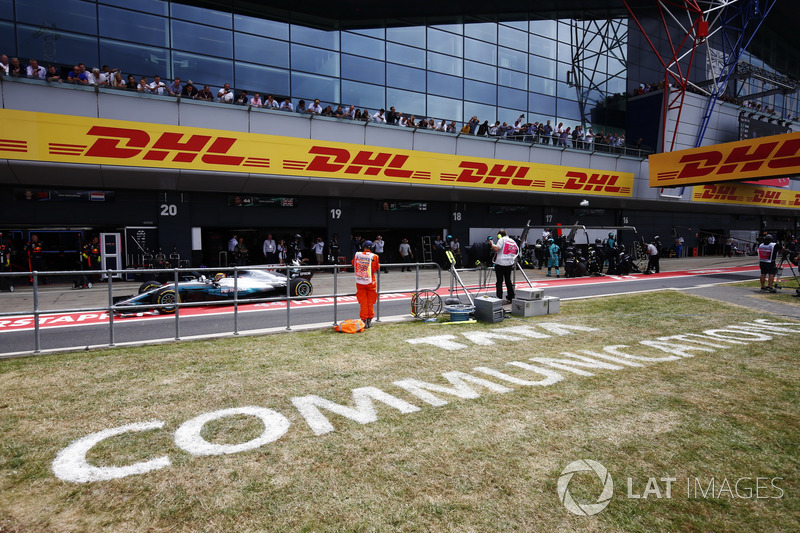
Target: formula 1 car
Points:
(249, 284)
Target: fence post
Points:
(36, 336)
(110, 310)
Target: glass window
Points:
(262, 27)
(73, 15)
(512, 78)
(543, 106)
(363, 46)
(615, 66)
(7, 12)
(130, 26)
(564, 51)
(363, 69)
(156, 7)
(405, 77)
(565, 91)
(480, 51)
(452, 28)
(321, 38)
(310, 86)
(512, 38)
(446, 43)
(266, 80)
(261, 50)
(543, 85)
(542, 66)
(508, 115)
(413, 35)
(512, 59)
(406, 102)
(7, 39)
(70, 46)
(519, 24)
(448, 108)
(569, 110)
(135, 59)
(445, 64)
(545, 28)
(480, 92)
(197, 38)
(485, 31)
(363, 95)
(405, 55)
(543, 46)
(203, 15)
(315, 60)
(513, 98)
(480, 71)
(445, 85)
(482, 111)
(377, 33)
(202, 69)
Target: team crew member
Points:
(35, 250)
(365, 265)
(553, 251)
(767, 251)
(5, 264)
(652, 258)
(91, 255)
(379, 251)
(507, 251)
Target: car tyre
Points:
(300, 287)
(148, 285)
(166, 300)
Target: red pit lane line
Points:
(54, 320)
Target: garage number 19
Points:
(169, 210)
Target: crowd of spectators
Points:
(537, 132)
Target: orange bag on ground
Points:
(353, 325)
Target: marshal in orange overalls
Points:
(365, 265)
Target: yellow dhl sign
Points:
(741, 194)
(69, 139)
(751, 159)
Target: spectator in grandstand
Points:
(379, 117)
(4, 64)
(301, 106)
(52, 76)
(351, 112)
(451, 128)
(402, 120)
(357, 114)
(315, 108)
(271, 103)
(175, 88)
(142, 87)
(157, 86)
(206, 94)
(243, 98)
(225, 95)
(255, 101)
(130, 85)
(411, 122)
(189, 91)
(328, 111)
(15, 70)
(391, 116)
(287, 105)
(35, 70)
(117, 82)
(93, 76)
(339, 113)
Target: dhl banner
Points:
(751, 159)
(69, 139)
(741, 194)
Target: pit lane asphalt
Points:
(695, 273)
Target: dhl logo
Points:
(580, 181)
(773, 155)
(127, 143)
(746, 195)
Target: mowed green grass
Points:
(489, 463)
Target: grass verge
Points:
(486, 463)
